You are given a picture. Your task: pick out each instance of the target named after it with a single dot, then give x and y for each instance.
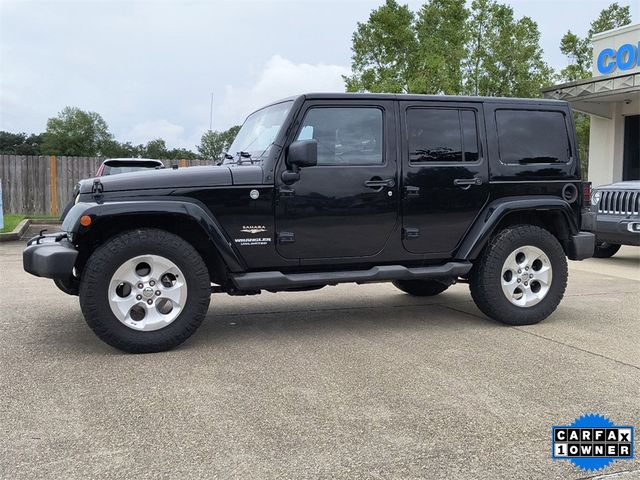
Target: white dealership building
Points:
(612, 98)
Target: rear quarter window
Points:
(532, 137)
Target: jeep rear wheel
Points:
(520, 277)
(421, 288)
(145, 290)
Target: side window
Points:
(532, 137)
(442, 135)
(345, 135)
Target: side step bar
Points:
(279, 280)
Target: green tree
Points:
(580, 53)
(76, 132)
(181, 154)
(504, 54)
(213, 143)
(20, 143)
(115, 149)
(441, 30)
(579, 50)
(156, 149)
(448, 49)
(383, 48)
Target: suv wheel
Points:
(606, 250)
(421, 288)
(521, 276)
(145, 290)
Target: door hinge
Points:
(285, 191)
(286, 237)
(411, 191)
(410, 233)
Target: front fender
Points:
(492, 214)
(195, 211)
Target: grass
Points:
(11, 220)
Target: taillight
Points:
(586, 193)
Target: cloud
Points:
(171, 133)
(280, 78)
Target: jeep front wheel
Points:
(144, 291)
(521, 276)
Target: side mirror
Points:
(302, 153)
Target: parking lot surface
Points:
(344, 382)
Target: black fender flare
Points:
(192, 209)
(489, 218)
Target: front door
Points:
(347, 205)
(445, 174)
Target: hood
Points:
(187, 177)
(628, 185)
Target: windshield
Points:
(258, 132)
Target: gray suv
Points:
(614, 217)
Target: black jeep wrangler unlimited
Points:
(321, 189)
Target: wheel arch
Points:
(189, 221)
(550, 213)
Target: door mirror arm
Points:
(300, 154)
(290, 176)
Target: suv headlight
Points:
(595, 197)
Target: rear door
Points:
(445, 173)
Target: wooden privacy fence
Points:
(43, 185)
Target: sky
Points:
(150, 67)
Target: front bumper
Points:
(612, 228)
(50, 256)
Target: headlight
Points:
(77, 199)
(595, 197)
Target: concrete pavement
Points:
(344, 382)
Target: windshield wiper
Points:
(238, 158)
(243, 154)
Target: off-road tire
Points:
(486, 274)
(106, 259)
(421, 288)
(606, 250)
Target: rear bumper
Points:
(50, 256)
(612, 228)
(581, 246)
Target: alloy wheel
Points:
(526, 276)
(147, 292)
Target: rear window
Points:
(528, 137)
(441, 135)
(127, 167)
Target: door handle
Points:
(467, 182)
(377, 182)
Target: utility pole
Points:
(211, 113)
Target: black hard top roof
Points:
(415, 97)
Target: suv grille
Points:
(620, 202)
